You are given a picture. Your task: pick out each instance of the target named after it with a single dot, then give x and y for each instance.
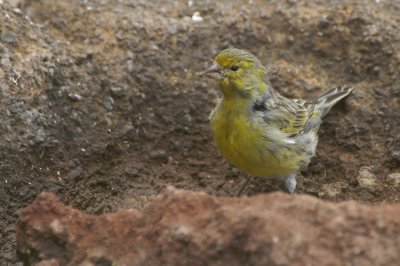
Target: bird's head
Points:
(240, 73)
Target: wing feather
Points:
(292, 117)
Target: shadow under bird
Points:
(258, 130)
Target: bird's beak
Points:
(214, 71)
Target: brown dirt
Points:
(100, 101)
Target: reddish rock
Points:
(189, 228)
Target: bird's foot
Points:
(244, 186)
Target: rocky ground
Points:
(101, 105)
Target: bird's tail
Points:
(325, 102)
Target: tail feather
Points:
(325, 102)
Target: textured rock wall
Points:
(188, 228)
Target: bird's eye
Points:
(234, 68)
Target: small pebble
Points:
(196, 17)
(75, 97)
(6, 63)
(395, 155)
(366, 179)
(332, 190)
(158, 155)
(393, 179)
(9, 37)
(108, 103)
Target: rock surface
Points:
(188, 228)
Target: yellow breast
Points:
(243, 144)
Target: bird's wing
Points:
(317, 109)
(291, 117)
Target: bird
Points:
(258, 130)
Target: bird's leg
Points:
(290, 183)
(244, 186)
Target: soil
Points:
(101, 104)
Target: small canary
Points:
(258, 130)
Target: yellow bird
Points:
(258, 130)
